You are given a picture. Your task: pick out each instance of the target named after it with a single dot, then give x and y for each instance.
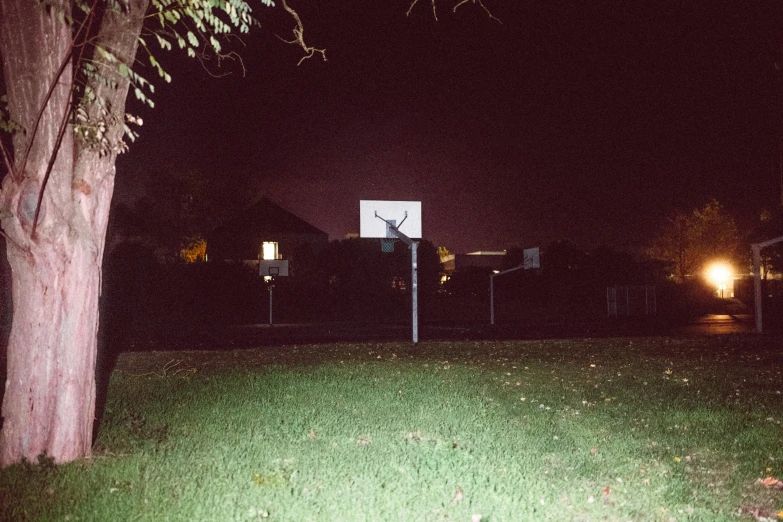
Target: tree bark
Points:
(49, 401)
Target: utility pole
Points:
(757, 297)
(780, 168)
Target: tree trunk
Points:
(49, 401)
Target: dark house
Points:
(493, 260)
(264, 231)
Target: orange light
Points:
(720, 274)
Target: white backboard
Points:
(393, 211)
(532, 258)
(273, 267)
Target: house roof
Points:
(241, 237)
(267, 217)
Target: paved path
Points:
(711, 324)
(719, 324)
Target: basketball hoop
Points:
(387, 244)
(379, 219)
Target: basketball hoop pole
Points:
(531, 261)
(492, 291)
(271, 287)
(414, 246)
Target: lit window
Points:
(269, 250)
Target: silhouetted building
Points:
(264, 231)
(492, 260)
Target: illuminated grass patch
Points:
(612, 429)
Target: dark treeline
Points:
(571, 285)
(349, 280)
(353, 281)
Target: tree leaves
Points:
(164, 44)
(687, 241)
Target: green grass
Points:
(603, 429)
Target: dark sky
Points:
(589, 122)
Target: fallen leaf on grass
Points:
(758, 512)
(607, 490)
(457, 497)
(593, 451)
(770, 482)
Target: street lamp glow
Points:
(720, 274)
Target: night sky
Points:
(588, 122)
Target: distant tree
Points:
(362, 280)
(562, 257)
(178, 208)
(769, 226)
(472, 281)
(688, 241)
(609, 267)
(195, 251)
(515, 256)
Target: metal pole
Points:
(270, 303)
(415, 290)
(757, 285)
(492, 299)
(492, 290)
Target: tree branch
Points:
(414, 2)
(52, 158)
(63, 123)
(7, 161)
(60, 71)
(299, 37)
(481, 4)
(203, 58)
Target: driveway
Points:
(719, 324)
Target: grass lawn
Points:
(657, 429)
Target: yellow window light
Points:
(269, 250)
